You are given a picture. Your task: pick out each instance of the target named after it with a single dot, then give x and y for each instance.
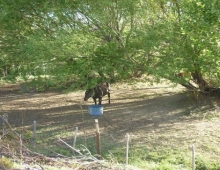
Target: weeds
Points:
(5, 163)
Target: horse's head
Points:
(88, 94)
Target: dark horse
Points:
(98, 92)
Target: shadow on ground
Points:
(130, 110)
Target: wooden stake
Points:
(193, 157)
(97, 125)
(34, 133)
(98, 142)
(127, 147)
(21, 145)
(74, 140)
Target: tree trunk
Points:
(198, 79)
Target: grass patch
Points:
(144, 158)
(5, 163)
(159, 155)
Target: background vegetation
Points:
(80, 43)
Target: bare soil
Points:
(160, 115)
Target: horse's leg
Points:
(100, 100)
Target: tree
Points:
(192, 44)
(45, 27)
(86, 42)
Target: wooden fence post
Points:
(74, 140)
(127, 147)
(21, 146)
(98, 142)
(193, 157)
(34, 133)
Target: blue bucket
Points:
(96, 110)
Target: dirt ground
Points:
(155, 115)
(137, 104)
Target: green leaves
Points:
(86, 41)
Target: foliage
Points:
(5, 163)
(81, 43)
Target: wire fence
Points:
(74, 148)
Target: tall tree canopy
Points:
(83, 42)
